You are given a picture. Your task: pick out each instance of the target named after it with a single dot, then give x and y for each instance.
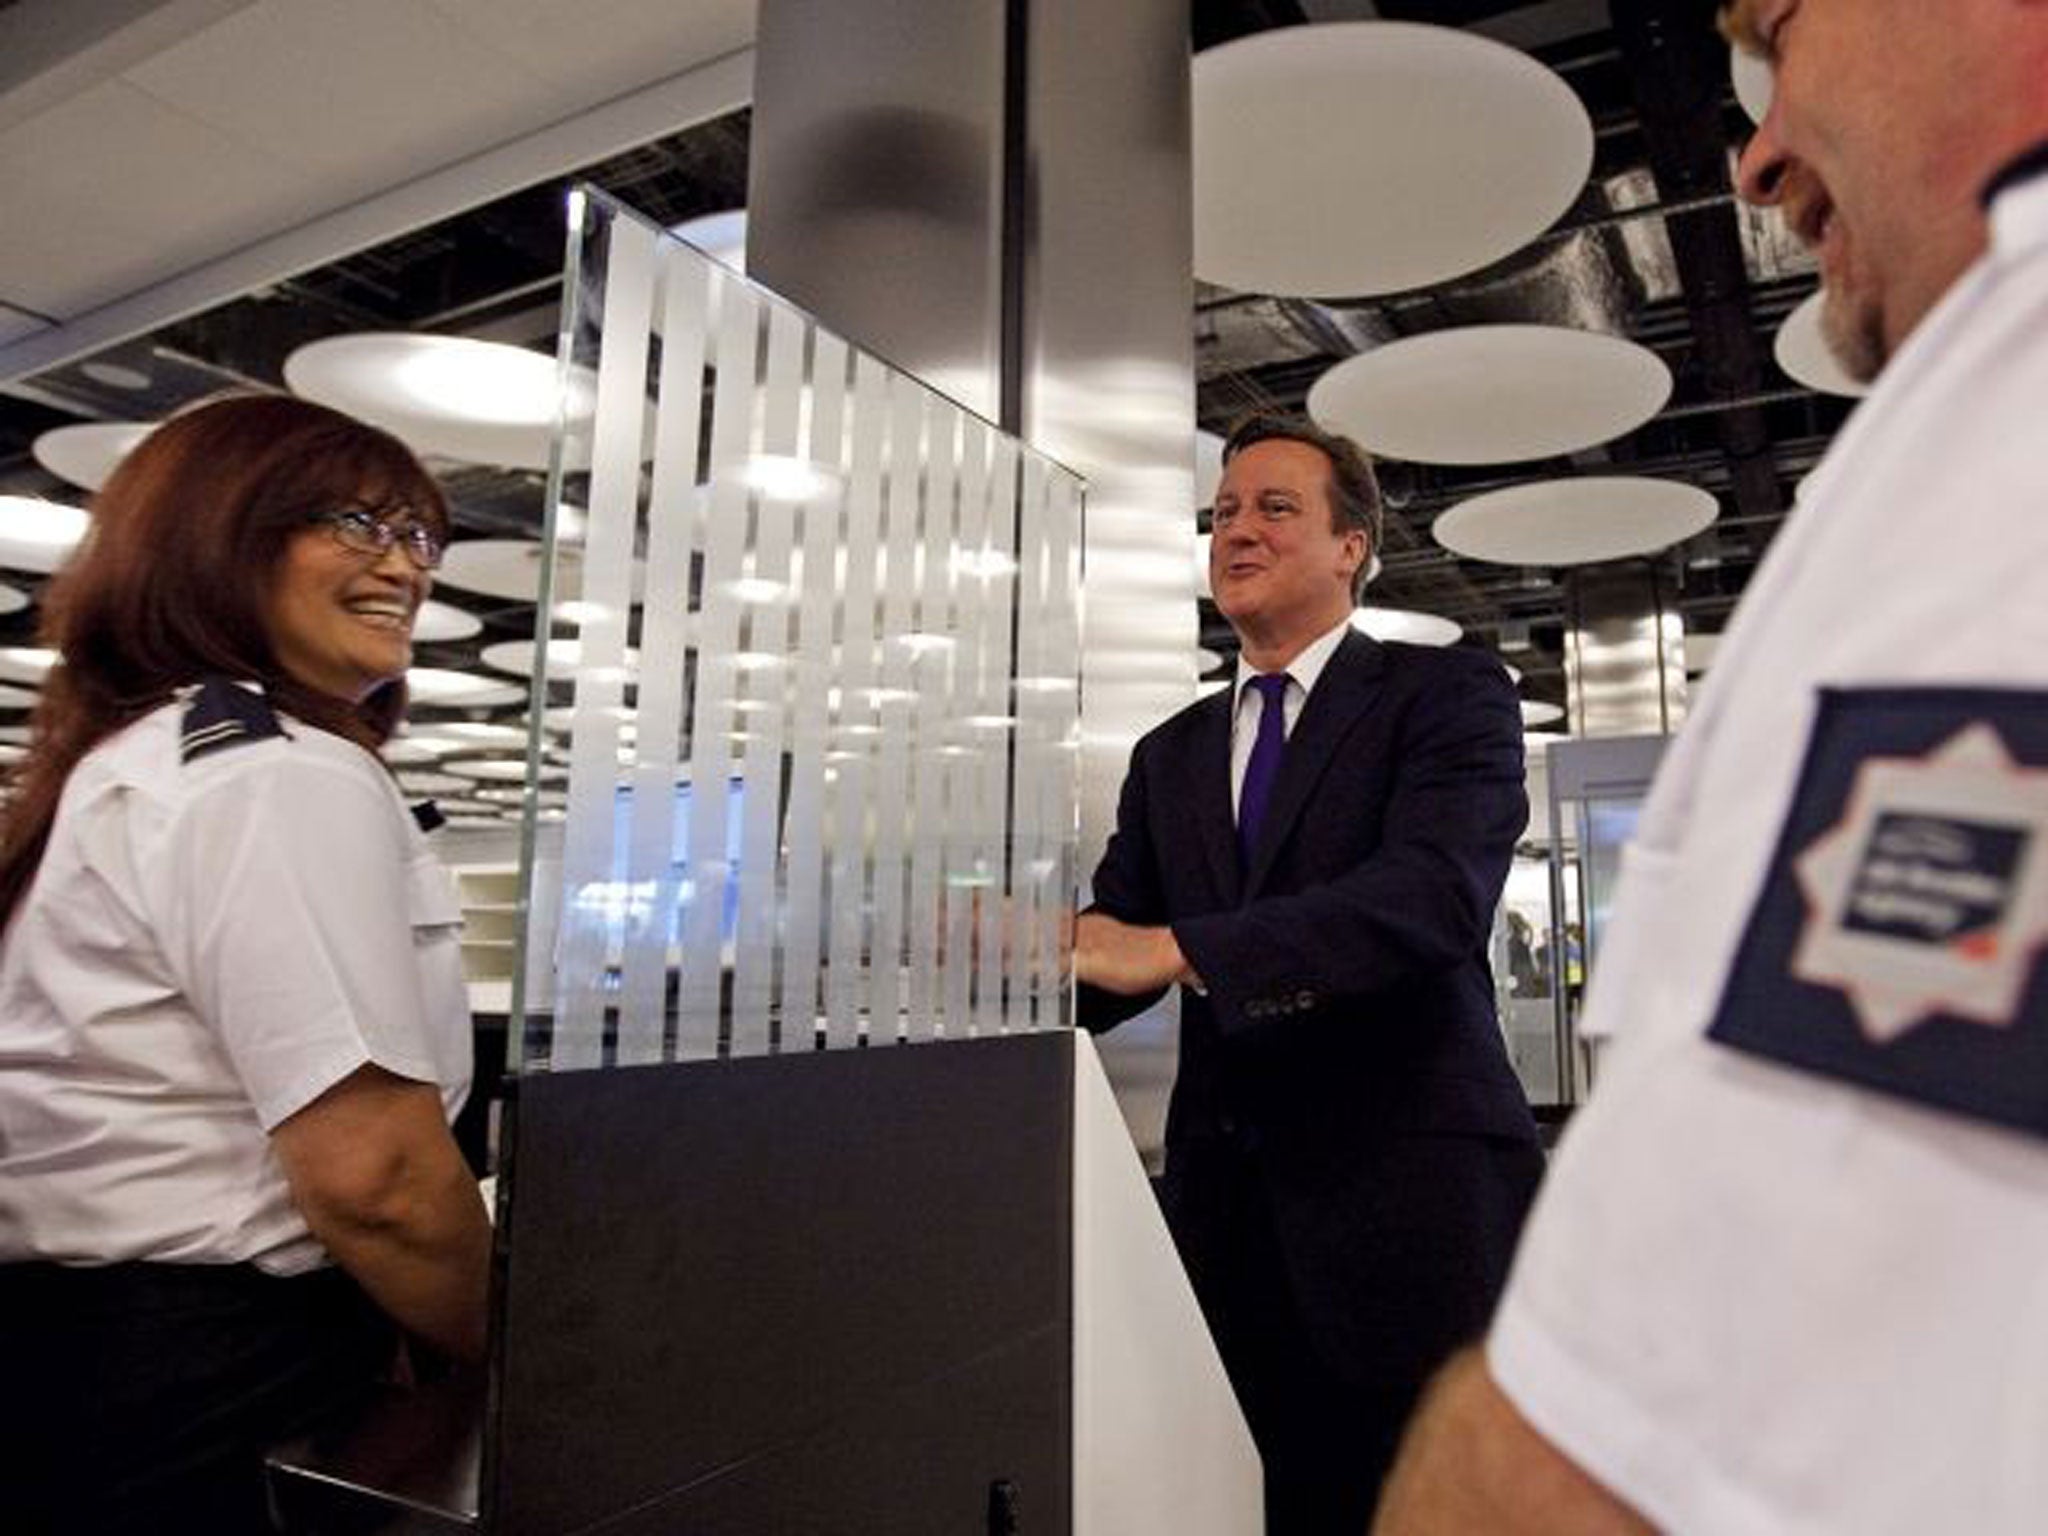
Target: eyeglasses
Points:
(361, 531)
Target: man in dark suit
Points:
(1315, 857)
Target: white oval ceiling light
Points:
(564, 657)
(38, 535)
(86, 454)
(460, 690)
(721, 236)
(1576, 521)
(12, 599)
(479, 733)
(1802, 351)
(1754, 83)
(444, 621)
(503, 770)
(510, 568)
(1208, 467)
(1349, 158)
(413, 748)
(483, 402)
(26, 664)
(417, 783)
(1492, 394)
(1405, 624)
(1537, 712)
(12, 697)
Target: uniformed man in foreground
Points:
(1787, 1274)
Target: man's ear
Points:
(1356, 539)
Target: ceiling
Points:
(160, 141)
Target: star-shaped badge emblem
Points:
(1930, 895)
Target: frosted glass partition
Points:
(820, 701)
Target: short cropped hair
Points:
(1354, 490)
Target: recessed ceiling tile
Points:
(1575, 522)
(1352, 158)
(357, 94)
(597, 49)
(111, 190)
(1492, 394)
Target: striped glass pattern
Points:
(823, 715)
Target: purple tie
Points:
(1263, 767)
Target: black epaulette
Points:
(427, 816)
(220, 714)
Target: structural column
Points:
(994, 195)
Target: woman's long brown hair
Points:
(172, 582)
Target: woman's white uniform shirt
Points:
(1756, 1296)
(226, 924)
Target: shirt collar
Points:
(1306, 666)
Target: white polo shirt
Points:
(206, 948)
(1790, 1269)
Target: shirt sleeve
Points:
(287, 923)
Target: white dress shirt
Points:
(1755, 1298)
(206, 948)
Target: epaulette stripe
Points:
(209, 732)
(220, 714)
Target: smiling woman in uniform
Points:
(232, 1019)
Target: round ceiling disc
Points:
(501, 770)
(1492, 394)
(1576, 521)
(482, 402)
(28, 664)
(564, 658)
(1754, 82)
(1208, 467)
(1405, 624)
(434, 687)
(510, 568)
(1342, 159)
(433, 784)
(444, 621)
(38, 535)
(86, 454)
(1803, 352)
(721, 236)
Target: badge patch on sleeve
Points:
(1901, 940)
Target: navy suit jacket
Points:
(1349, 1021)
